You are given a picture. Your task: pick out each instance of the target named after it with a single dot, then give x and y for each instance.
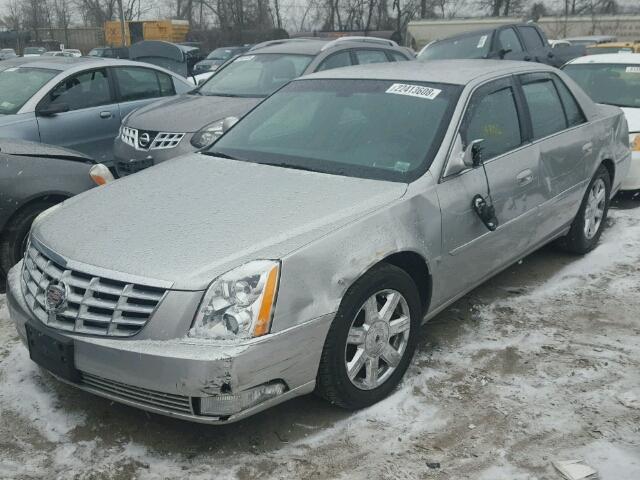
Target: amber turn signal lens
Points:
(100, 174)
(266, 309)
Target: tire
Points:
(385, 283)
(15, 233)
(579, 240)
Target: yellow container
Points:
(167, 30)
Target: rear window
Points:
(470, 46)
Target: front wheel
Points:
(589, 222)
(372, 339)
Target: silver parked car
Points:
(172, 127)
(78, 103)
(303, 251)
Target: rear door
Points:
(139, 86)
(93, 118)
(560, 135)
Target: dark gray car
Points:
(216, 58)
(172, 127)
(77, 103)
(34, 177)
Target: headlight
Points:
(208, 135)
(634, 142)
(239, 304)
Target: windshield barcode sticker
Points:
(245, 58)
(414, 91)
(632, 70)
(482, 41)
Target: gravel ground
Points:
(541, 363)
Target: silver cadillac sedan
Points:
(304, 249)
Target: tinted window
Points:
(547, 115)
(614, 84)
(509, 40)
(342, 59)
(166, 84)
(493, 117)
(370, 56)
(256, 75)
(398, 57)
(17, 85)
(571, 107)
(364, 128)
(139, 83)
(470, 46)
(531, 37)
(88, 89)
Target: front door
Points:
(93, 119)
(512, 182)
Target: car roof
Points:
(70, 63)
(622, 57)
(455, 72)
(314, 46)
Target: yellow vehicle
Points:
(614, 47)
(167, 30)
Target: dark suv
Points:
(189, 122)
(508, 42)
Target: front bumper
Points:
(172, 377)
(632, 180)
(128, 160)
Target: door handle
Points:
(525, 177)
(587, 148)
(105, 114)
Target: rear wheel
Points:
(372, 339)
(589, 222)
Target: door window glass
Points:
(84, 90)
(571, 107)
(494, 118)
(531, 37)
(137, 83)
(509, 40)
(342, 59)
(398, 57)
(547, 115)
(166, 84)
(370, 56)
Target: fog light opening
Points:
(227, 404)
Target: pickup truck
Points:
(508, 42)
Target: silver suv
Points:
(172, 127)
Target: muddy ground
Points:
(541, 363)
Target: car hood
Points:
(188, 113)
(11, 146)
(190, 219)
(633, 118)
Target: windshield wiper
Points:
(618, 105)
(294, 167)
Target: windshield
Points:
(613, 84)
(17, 85)
(471, 46)
(220, 54)
(362, 128)
(32, 50)
(256, 75)
(97, 52)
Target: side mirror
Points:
(503, 52)
(52, 109)
(229, 122)
(472, 156)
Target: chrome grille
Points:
(161, 140)
(95, 305)
(150, 398)
(166, 140)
